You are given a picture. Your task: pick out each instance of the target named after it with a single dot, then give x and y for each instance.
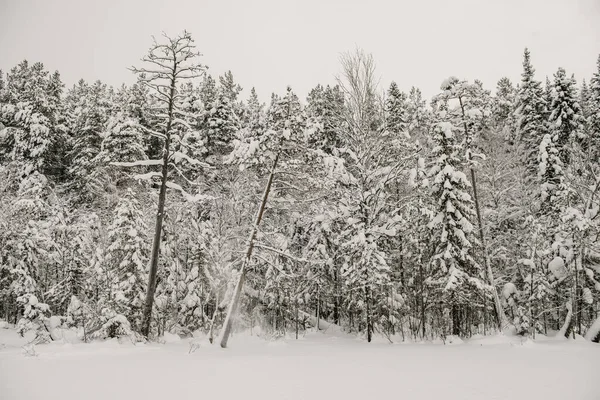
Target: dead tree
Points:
(168, 64)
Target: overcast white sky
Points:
(272, 43)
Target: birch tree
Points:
(374, 160)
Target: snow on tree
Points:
(33, 110)
(566, 120)
(126, 259)
(324, 107)
(366, 169)
(281, 151)
(121, 142)
(551, 175)
(168, 65)
(455, 271)
(530, 111)
(192, 141)
(417, 113)
(254, 117)
(229, 87)
(353, 225)
(503, 108)
(470, 117)
(208, 91)
(222, 123)
(395, 109)
(35, 318)
(89, 110)
(594, 111)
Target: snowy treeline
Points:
(381, 213)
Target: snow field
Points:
(318, 366)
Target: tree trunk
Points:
(455, 320)
(318, 306)
(296, 306)
(162, 195)
(368, 319)
(422, 299)
(240, 284)
(214, 317)
(336, 300)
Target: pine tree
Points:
(255, 118)
(208, 91)
(33, 110)
(229, 87)
(503, 108)
(594, 111)
(284, 118)
(584, 100)
(222, 124)
(325, 108)
(193, 141)
(89, 109)
(122, 142)
(417, 114)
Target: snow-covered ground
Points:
(318, 366)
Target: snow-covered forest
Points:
(182, 204)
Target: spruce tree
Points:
(127, 258)
(551, 176)
(395, 109)
(530, 113)
(455, 273)
(566, 120)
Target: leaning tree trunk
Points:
(240, 284)
(318, 306)
(214, 318)
(162, 195)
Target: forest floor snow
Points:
(317, 366)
